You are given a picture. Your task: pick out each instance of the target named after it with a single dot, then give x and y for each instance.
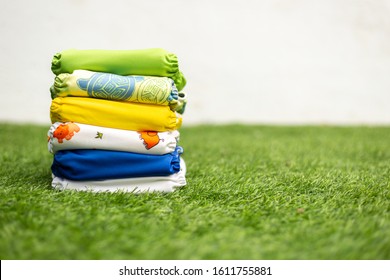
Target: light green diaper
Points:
(141, 89)
(147, 62)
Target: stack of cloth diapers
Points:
(115, 118)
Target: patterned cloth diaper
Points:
(87, 165)
(147, 62)
(142, 89)
(72, 136)
(114, 114)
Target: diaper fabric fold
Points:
(87, 165)
(114, 114)
(74, 136)
(165, 184)
(147, 62)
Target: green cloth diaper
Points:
(146, 62)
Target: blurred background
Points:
(267, 62)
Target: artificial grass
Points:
(254, 192)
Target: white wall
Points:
(298, 61)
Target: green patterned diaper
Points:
(141, 89)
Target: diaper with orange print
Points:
(150, 138)
(65, 131)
